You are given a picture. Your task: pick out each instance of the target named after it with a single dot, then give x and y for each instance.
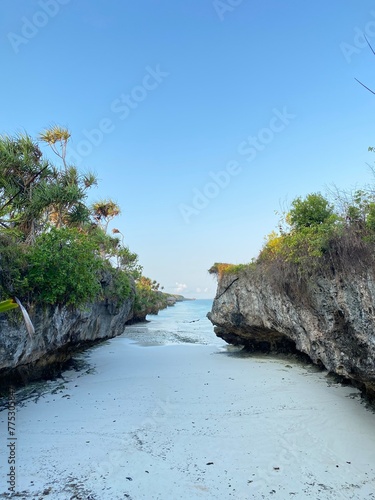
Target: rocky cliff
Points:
(58, 330)
(331, 319)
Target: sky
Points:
(202, 119)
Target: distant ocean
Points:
(183, 323)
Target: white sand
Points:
(192, 422)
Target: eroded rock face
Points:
(333, 322)
(58, 329)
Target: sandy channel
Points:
(191, 422)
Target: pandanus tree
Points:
(57, 138)
(34, 193)
(22, 170)
(66, 195)
(104, 211)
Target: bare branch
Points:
(368, 43)
(372, 92)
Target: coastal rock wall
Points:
(332, 321)
(59, 330)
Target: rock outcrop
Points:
(173, 298)
(332, 320)
(58, 330)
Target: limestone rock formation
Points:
(332, 320)
(57, 330)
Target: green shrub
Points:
(13, 267)
(148, 298)
(311, 211)
(116, 283)
(64, 267)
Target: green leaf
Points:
(7, 305)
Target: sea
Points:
(184, 323)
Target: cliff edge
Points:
(58, 331)
(328, 316)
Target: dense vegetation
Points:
(316, 236)
(55, 248)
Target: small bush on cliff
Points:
(220, 269)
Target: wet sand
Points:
(194, 422)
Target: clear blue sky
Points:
(262, 90)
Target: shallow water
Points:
(184, 323)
